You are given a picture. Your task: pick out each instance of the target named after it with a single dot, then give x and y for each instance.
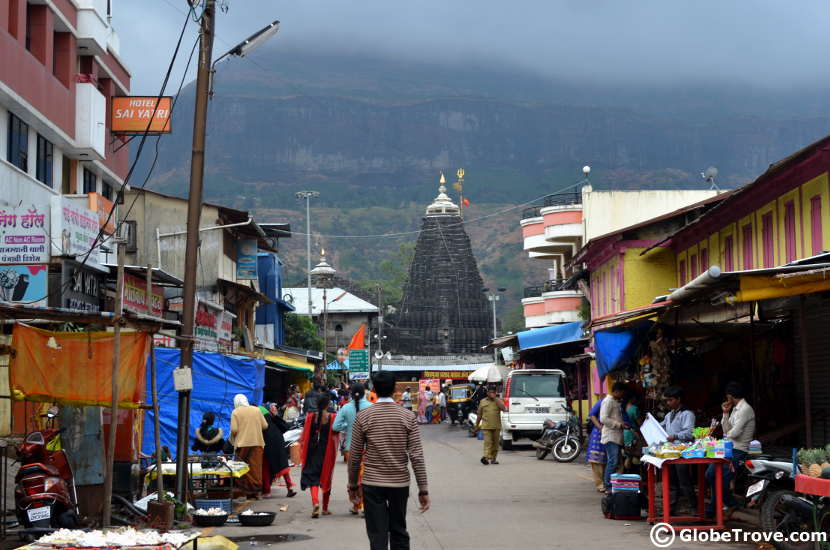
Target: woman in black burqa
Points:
(209, 438)
(275, 463)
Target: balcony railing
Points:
(558, 199)
(547, 286)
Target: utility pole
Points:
(380, 328)
(194, 212)
(493, 298)
(116, 363)
(308, 195)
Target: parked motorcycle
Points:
(562, 439)
(472, 418)
(45, 495)
(770, 480)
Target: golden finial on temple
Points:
(442, 181)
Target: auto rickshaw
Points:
(460, 402)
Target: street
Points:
(519, 503)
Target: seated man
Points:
(738, 424)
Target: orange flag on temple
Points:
(359, 338)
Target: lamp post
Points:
(493, 298)
(325, 274)
(194, 211)
(308, 195)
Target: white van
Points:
(531, 397)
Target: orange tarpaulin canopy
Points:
(76, 367)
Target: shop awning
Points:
(549, 336)
(244, 291)
(630, 315)
(783, 284)
(289, 363)
(614, 346)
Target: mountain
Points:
(371, 134)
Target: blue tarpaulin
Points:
(614, 346)
(216, 379)
(546, 336)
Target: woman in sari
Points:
(247, 426)
(343, 423)
(275, 464)
(422, 407)
(292, 405)
(319, 453)
(596, 450)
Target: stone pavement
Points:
(519, 503)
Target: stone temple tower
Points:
(443, 311)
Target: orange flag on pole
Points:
(359, 338)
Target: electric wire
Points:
(119, 197)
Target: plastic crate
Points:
(207, 504)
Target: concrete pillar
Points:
(42, 31)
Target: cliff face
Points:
(371, 135)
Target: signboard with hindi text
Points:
(135, 296)
(75, 230)
(246, 259)
(24, 235)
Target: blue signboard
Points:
(246, 259)
(24, 283)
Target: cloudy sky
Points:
(768, 43)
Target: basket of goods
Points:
(212, 517)
(812, 461)
(249, 518)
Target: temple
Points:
(443, 311)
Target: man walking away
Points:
(406, 399)
(442, 405)
(428, 398)
(489, 420)
(386, 438)
(610, 416)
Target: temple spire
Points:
(442, 205)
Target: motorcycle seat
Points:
(36, 468)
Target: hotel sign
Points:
(139, 114)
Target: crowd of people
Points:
(375, 429)
(615, 443)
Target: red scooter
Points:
(44, 493)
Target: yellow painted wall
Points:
(653, 274)
(817, 186)
(682, 265)
(782, 205)
(801, 198)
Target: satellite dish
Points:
(710, 173)
(378, 355)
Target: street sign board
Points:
(358, 360)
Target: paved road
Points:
(520, 503)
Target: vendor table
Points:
(236, 468)
(700, 521)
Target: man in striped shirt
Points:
(386, 438)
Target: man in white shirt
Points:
(738, 424)
(610, 416)
(442, 404)
(406, 399)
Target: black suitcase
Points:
(622, 506)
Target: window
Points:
(815, 224)
(747, 238)
(682, 270)
(29, 9)
(704, 259)
(767, 240)
(17, 151)
(693, 266)
(789, 231)
(45, 160)
(106, 190)
(90, 185)
(727, 253)
(536, 385)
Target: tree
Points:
(301, 332)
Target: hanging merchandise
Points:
(76, 367)
(660, 362)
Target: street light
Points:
(246, 46)
(325, 276)
(194, 213)
(308, 195)
(493, 298)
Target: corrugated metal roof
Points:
(338, 301)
